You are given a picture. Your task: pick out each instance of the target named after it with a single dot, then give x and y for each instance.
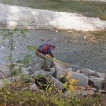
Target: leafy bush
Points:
(14, 94)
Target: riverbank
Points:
(72, 47)
(24, 17)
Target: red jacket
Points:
(46, 47)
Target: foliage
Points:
(31, 48)
(10, 35)
(70, 85)
(14, 94)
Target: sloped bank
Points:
(85, 76)
(14, 16)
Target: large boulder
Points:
(2, 75)
(38, 66)
(35, 67)
(70, 70)
(57, 82)
(42, 72)
(33, 87)
(96, 82)
(83, 80)
(88, 72)
(52, 64)
(101, 75)
(60, 68)
(59, 64)
(4, 71)
(59, 72)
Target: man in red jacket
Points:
(42, 52)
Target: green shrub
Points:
(12, 94)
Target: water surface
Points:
(71, 47)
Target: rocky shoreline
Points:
(14, 16)
(85, 76)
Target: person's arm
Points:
(46, 47)
(51, 54)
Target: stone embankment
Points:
(85, 76)
(24, 17)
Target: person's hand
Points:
(47, 55)
(54, 58)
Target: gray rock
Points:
(59, 72)
(38, 66)
(86, 92)
(66, 93)
(2, 75)
(57, 82)
(82, 93)
(60, 68)
(42, 72)
(83, 80)
(33, 87)
(96, 82)
(52, 64)
(101, 75)
(58, 64)
(70, 70)
(29, 70)
(4, 71)
(88, 72)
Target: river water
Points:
(71, 47)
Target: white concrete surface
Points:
(13, 16)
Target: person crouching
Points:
(42, 51)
